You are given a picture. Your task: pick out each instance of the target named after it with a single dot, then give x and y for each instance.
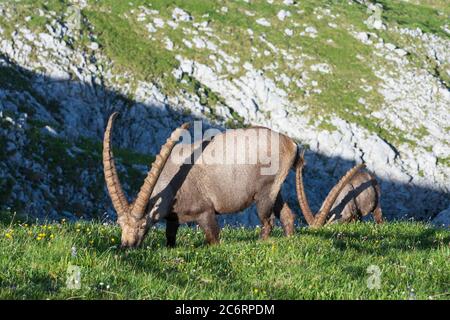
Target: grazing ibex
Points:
(194, 191)
(359, 197)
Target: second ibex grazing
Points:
(359, 197)
(198, 191)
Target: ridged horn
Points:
(301, 194)
(115, 190)
(139, 205)
(320, 217)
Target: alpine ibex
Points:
(359, 197)
(194, 191)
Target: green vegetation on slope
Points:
(123, 36)
(62, 158)
(330, 263)
(125, 43)
(428, 17)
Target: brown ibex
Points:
(359, 197)
(184, 192)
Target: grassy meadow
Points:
(337, 262)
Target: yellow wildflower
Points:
(8, 235)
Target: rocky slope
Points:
(357, 81)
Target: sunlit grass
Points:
(326, 264)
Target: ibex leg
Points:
(264, 206)
(171, 232)
(207, 221)
(377, 215)
(284, 213)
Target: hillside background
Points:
(350, 80)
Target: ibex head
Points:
(131, 217)
(319, 219)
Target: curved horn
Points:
(144, 194)
(301, 195)
(115, 190)
(331, 198)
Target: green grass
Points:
(327, 264)
(123, 39)
(428, 17)
(444, 161)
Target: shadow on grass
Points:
(37, 284)
(364, 241)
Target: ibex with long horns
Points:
(359, 197)
(184, 192)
